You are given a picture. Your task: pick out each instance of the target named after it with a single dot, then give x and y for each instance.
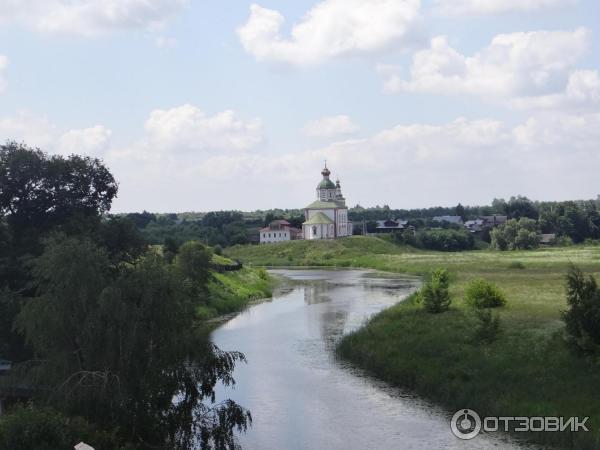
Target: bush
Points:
(488, 328)
(263, 274)
(583, 316)
(218, 250)
(562, 241)
(445, 240)
(434, 294)
(42, 428)
(483, 294)
(516, 265)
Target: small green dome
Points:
(326, 183)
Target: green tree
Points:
(193, 261)
(516, 234)
(582, 318)
(115, 345)
(434, 294)
(518, 207)
(43, 428)
(40, 191)
(460, 211)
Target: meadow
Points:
(530, 370)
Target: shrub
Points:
(582, 319)
(434, 294)
(516, 265)
(483, 294)
(446, 240)
(218, 250)
(488, 328)
(562, 241)
(262, 274)
(43, 428)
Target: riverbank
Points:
(528, 371)
(230, 292)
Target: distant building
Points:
(546, 239)
(450, 219)
(278, 231)
(485, 223)
(494, 220)
(475, 225)
(389, 225)
(327, 217)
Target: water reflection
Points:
(301, 397)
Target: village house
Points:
(278, 231)
(389, 225)
(485, 223)
(457, 220)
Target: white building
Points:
(279, 230)
(327, 217)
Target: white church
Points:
(327, 217)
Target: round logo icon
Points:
(465, 424)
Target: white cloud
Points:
(582, 91)
(331, 126)
(3, 65)
(570, 133)
(187, 128)
(89, 17)
(513, 65)
(332, 28)
(475, 7)
(89, 141)
(549, 156)
(38, 131)
(203, 163)
(35, 131)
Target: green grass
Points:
(529, 370)
(231, 291)
(219, 259)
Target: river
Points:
(301, 397)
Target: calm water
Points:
(301, 397)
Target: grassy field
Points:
(529, 370)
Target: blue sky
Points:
(198, 106)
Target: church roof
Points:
(326, 183)
(320, 204)
(318, 218)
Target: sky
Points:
(210, 105)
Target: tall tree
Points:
(39, 191)
(116, 347)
